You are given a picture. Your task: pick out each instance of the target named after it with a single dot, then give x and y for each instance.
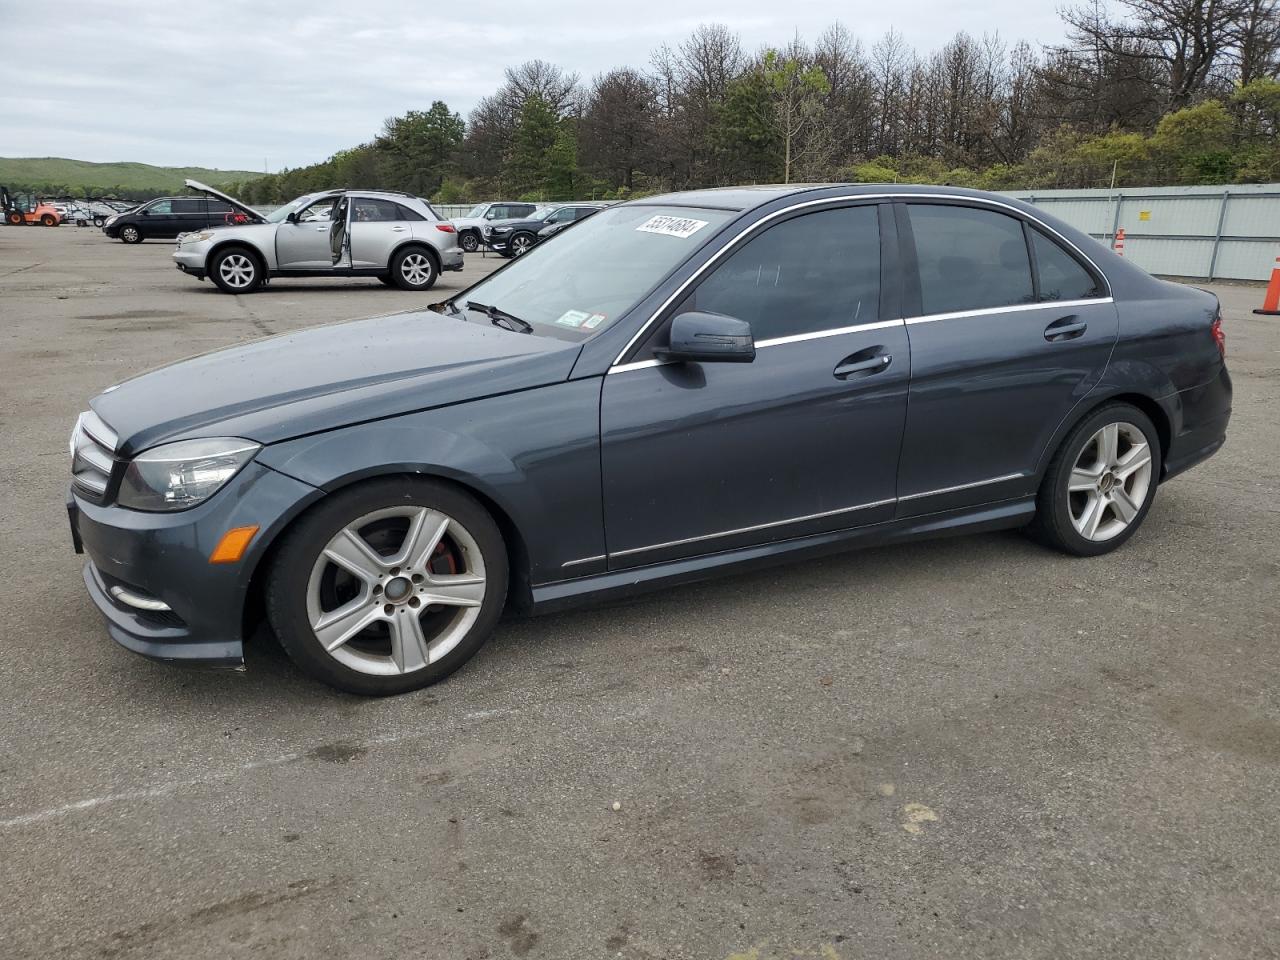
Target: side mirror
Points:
(145, 213)
(709, 338)
(292, 217)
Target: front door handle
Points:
(849, 366)
(322, 229)
(1065, 328)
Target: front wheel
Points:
(49, 220)
(14, 217)
(130, 234)
(413, 269)
(521, 244)
(236, 270)
(99, 221)
(388, 586)
(469, 242)
(1101, 482)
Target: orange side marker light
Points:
(233, 545)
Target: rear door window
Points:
(1061, 276)
(969, 259)
(191, 207)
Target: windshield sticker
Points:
(594, 321)
(573, 318)
(681, 227)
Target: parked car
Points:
(166, 217)
(513, 238)
(395, 237)
(680, 386)
(471, 226)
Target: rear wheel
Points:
(413, 269)
(49, 220)
(236, 270)
(1101, 482)
(388, 586)
(130, 234)
(14, 217)
(99, 221)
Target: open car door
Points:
(340, 233)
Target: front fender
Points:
(534, 454)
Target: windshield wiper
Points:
(500, 318)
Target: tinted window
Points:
(405, 213)
(1061, 275)
(160, 206)
(369, 209)
(520, 209)
(219, 206)
(969, 259)
(188, 206)
(820, 271)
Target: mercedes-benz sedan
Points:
(679, 386)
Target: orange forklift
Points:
(33, 210)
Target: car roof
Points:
(745, 198)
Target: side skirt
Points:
(552, 597)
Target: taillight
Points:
(445, 228)
(1219, 337)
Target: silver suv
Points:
(395, 237)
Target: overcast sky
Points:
(233, 84)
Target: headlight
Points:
(110, 220)
(501, 229)
(179, 475)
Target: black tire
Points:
(14, 218)
(49, 220)
(99, 221)
(228, 269)
(469, 241)
(1053, 524)
(521, 243)
(289, 579)
(414, 268)
(130, 234)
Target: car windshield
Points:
(586, 278)
(543, 213)
(477, 211)
(280, 213)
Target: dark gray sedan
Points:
(677, 387)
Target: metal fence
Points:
(1211, 232)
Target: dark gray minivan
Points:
(166, 217)
(678, 386)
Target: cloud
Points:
(234, 83)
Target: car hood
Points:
(238, 204)
(330, 376)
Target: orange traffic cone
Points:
(1271, 300)
(1118, 246)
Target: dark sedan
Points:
(679, 386)
(514, 238)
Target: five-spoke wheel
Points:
(1100, 483)
(388, 586)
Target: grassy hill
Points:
(47, 173)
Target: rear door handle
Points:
(399, 229)
(1065, 328)
(849, 366)
(322, 229)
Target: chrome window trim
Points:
(772, 342)
(963, 486)
(1013, 308)
(845, 198)
(751, 529)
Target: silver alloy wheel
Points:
(380, 630)
(470, 243)
(129, 233)
(1110, 481)
(520, 245)
(237, 270)
(416, 268)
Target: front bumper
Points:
(165, 557)
(190, 261)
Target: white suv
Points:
(395, 237)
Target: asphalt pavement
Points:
(963, 748)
